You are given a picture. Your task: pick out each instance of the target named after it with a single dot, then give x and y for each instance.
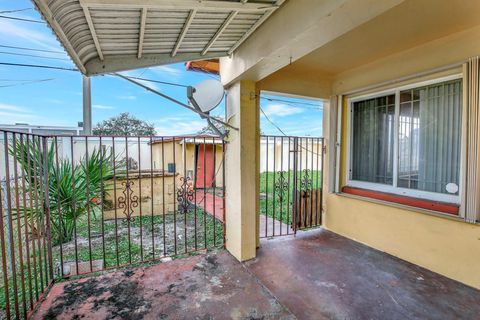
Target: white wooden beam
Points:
(182, 35)
(86, 11)
(119, 62)
(48, 16)
(255, 26)
(179, 5)
(141, 36)
(225, 24)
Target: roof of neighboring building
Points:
(193, 139)
(103, 36)
(211, 66)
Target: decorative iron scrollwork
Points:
(185, 194)
(128, 201)
(306, 183)
(281, 185)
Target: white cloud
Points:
(127, 97)
(179, 127)
(167, 70)
(11, 107)
(10, 114)
(148, 84)
(29, 35)
(55, 101)
(281, 110)
(102, 107)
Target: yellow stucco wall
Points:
(445, 246)
(163, 200)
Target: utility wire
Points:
(282, 100)
(15, 80)
(36, 66)
(32, 55)
(297, 104)
(175, 101)
(30, 49)
(154, 81)
(273, 123)
(283, 132)
(16, 10)
(26, 82)
(21, 19)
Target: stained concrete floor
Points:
(321, 275)
(213, 286)
(317, 275)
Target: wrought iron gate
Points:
(291, 179)
(74, 205)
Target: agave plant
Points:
(74, 189)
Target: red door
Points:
(205, 167)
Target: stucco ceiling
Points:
(409, 24)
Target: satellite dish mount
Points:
(205, 97)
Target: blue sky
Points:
(59, 101)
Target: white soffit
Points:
(104, 36)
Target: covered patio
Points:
(317, 275)
(398, 218)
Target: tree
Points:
(124, 125)
(209, 130)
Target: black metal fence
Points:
(291, 179)
(73, 205)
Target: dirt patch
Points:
(120, 297)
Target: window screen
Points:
(373, 140)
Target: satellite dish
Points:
(208, 94)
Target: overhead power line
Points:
(31, 49)
(21, 19)
(26, 82)
(31, 55)
(295, 103)
(16, 10)
(36, 66)
(273, 123)
(154, 81)
(205, 115)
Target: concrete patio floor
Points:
(317, 275)
(212, 286)
(321, 275)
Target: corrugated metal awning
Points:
(104, 36)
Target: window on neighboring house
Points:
(409, 141)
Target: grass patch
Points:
(276, 189)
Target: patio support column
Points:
(242, 158)
(87, 105)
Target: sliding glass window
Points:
(424, 124)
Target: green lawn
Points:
(280, 208)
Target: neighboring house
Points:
(69, 132)
(195, 163)
(45, 130)
(198, 158)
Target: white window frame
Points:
(394, 189)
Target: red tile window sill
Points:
(443, 207)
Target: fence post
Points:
(48, 233)
(7, 216)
